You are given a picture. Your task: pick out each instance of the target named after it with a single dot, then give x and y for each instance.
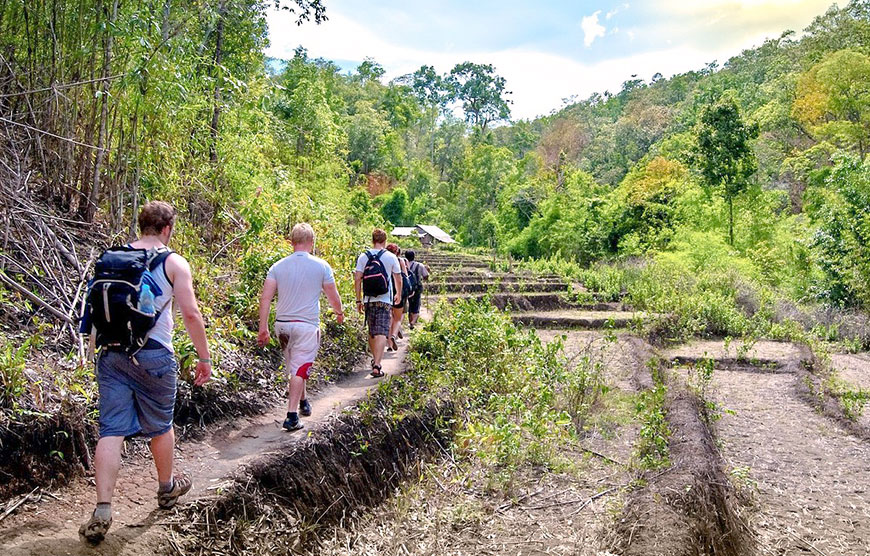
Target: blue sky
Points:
(549, 50)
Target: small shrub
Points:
(13, 382)
(652, 450)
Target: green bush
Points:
(518, 398)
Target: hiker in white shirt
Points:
(298, 279)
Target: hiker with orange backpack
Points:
(129, 312)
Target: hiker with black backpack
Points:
(129, 314)
(417, 272)
(398, 312)
(377, 281)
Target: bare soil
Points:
(853, 368)
(737, 354)
(809, 475)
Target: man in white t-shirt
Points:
(378, 308)
(298, 280)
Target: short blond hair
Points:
(302, 233)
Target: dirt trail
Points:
(812, 477)
(51, 526)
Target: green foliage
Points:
(725, 157)
(842, 240)
(509, 416)
(832, 99)
(651, 450)
(480, 91)
(395, 207)
(13, 382)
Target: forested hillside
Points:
(734, 199)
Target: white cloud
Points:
(538, 80)
(591, 28)
(616, 10)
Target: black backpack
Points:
(112, 307)
(375, 281)
(414, 278)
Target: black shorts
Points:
(414, 302)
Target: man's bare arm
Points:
(178, 270)
(397, 280)
(270, 287)
(332, 295)
(357, 288)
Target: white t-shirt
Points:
(391, 264)
(300, 277)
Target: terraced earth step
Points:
(761, 354)
(853, 368)
(451, 266)
(578, 319)
(474, 287)
(495, 277)
(532, 301)
(809, 477)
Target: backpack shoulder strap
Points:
(159, 257)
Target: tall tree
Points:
(833, 98)
(481, 92)
(724, 154)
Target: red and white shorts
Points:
(299, 343)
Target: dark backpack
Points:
(375, 281)
(414, 277)
(407, 288)
(112, 307)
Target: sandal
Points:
(377, 372)
(395, 345)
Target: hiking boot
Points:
(292, 423)
(305, 408)
(94, 530)
(180, 485)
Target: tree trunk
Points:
(218, 57)
(164, 26)
(94, 197)
(731, 220)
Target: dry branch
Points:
(33, 297)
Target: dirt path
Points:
(812, 477)
(51, 526)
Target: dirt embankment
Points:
(690, 508)
(283, 501)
